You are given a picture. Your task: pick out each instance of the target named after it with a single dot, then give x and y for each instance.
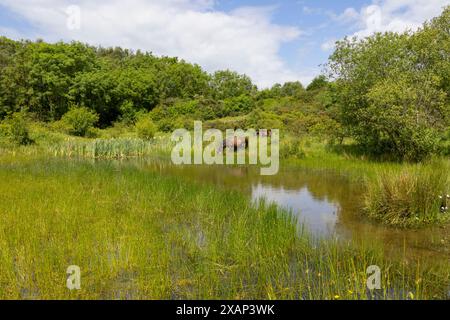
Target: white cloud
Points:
(394, 15)
(328, 45)
(349, 15)
(245, 40)
(310, 11)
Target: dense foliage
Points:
(393, 89)
(47, 80)
(15, 129)
(79, 120)
(145, 128)
(388, 92)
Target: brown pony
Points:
(238, 143)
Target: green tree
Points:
(39, 76)
(318, 83)
(115, 93)
(229, 84)
(236, 106)
(292, 89)
(392, 89)
(179, 79)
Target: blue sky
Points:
(270, 40)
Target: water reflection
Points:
(320, 215)
(327, 203)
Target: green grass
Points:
(411, 197)
(118, 148)
(138, 235)
(396, 194)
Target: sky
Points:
(272, 41)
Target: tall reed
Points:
(111, 148)
(410, 197)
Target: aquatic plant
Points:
(111, 148)
(410, 197)
(140, 235)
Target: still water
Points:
(327, 204)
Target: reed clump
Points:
(117, 148)
(413, 196)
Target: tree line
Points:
(389, 92)
(48, 79)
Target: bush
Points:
(228, 123)
(16, 129)
(80, 121)
(264, 120)
(444, 146)
(238, 105)
(291, 149)
(145, 128)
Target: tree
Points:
(116, 93)
(229, 84)
(179, 79)
(317, 83)
(236, 106)
(40, 75)
(288, 89)
(392, 89)
(292, 89)
(17, 128)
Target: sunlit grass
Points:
(111, 148)
(139, 235)
(412, 197)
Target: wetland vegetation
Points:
(86, 177)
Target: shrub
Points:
(145, 128)
(264, 120)
(444, 146)
(61, 126)
(117, 130)
(80, 120)
(238, 105)
(16, 128)
(291, 148)
(223, 124)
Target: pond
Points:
(327, 204)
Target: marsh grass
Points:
(117, 148)
(410, 197)
(139, 235)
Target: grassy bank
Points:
(398, 194)
(121, 227)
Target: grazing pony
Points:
(239, 143)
